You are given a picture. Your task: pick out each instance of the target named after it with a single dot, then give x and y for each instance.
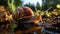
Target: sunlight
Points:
(32, 1)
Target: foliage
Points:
(18, 3)
(4, 3)
(38, 5)
(13, 4)
(50, 3)
(32, 6)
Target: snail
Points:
(22, 12)
(25, 18)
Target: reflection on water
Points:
(49, 32)
(35, 33)
(34, 30)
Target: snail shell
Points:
(23, 12)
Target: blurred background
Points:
(48, 9)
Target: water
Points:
(50, 32)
